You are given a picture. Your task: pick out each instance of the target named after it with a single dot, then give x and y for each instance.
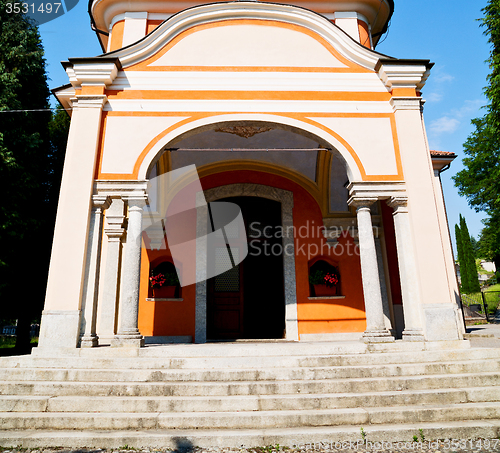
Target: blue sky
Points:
(446, 32)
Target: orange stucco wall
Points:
(314, 316)
(152, 24)
(117, 35)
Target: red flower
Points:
(157, 280)
(331, 279)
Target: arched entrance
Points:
(248, 300)
(283, 199)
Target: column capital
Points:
(89, 101)
(114, 233)
(97, 71)
(406, 103)
(101, 201)
(361, 202)
(400, 204)
(136, 202)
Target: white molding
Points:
(159, 16)
(404, 103)
(246, 106)
(248, 81)
(404, 76)
(376, 190)
(217, 12)
(120, 188)
(91, 72)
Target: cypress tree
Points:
(461, 260)
(468, 257)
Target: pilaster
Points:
(407, 271)
(66, 279)
(91, 288)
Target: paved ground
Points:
(464, 446)
(486, 335)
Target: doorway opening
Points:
(248, 301)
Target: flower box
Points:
(164, 292)
(325, 291)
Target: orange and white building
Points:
(289, 112)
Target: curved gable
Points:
(249, 43)
(248, 34)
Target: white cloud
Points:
(469, 107)
(442, 77)
(450, 122)
(433, 97)
(444, 124)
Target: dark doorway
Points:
(247, 302)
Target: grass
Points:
(7, 342)
(7, 345)
(493, 288)
(492, 298)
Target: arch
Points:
(152, 153)
(284, 197)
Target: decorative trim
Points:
(92, 71)
(243, 131)
(163, 299)
(216, 12)
(326, 297)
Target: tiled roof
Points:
(442, 154)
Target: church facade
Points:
(287, 112)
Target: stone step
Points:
(275, 360)
(307, 438)
(256, 348)
(264, 374)
(231, 388)
(252, 419)
(14, 403)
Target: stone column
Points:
(383, 286)
(114, 230)
(91, 288)
(375, 322)
(407, 270)
(128, 334)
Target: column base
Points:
(377, 336)
(413, 335)
(127, 341)
(89, 341)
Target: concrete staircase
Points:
(249, 394)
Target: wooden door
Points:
(225, 297)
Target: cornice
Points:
(403, 73)
(205, 14)
(103, 12)
(97, 71)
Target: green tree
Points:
(472, 278)
(468, 272)
(475, 247)
(460, 259)
(479, 181)
(29, 169)
(489, 241)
